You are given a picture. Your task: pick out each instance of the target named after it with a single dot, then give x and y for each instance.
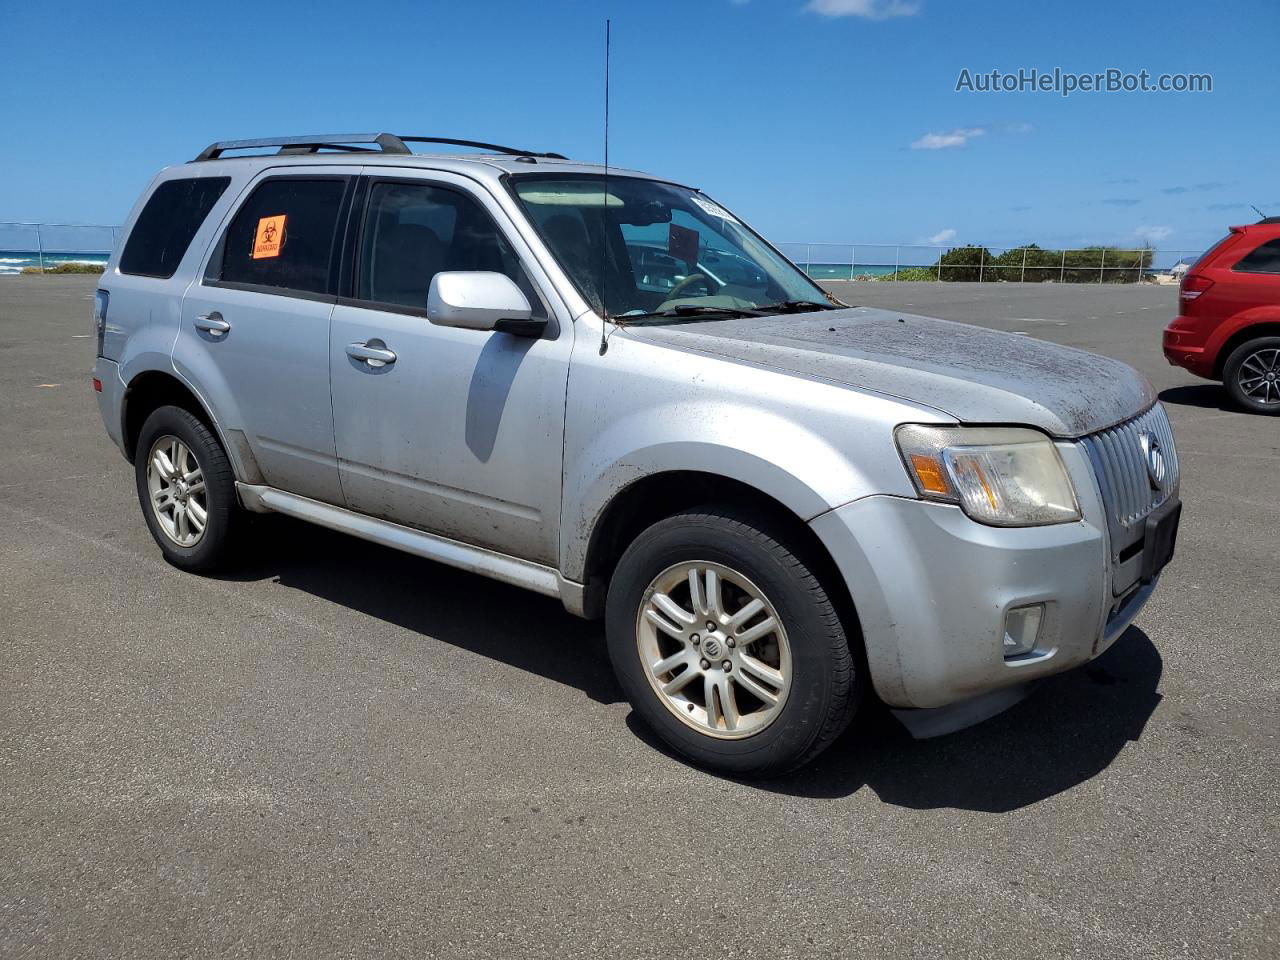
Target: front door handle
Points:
(213, 323)
(374, 356)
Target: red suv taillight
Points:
(1193, 285)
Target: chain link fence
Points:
(978, 264)
(27, 247)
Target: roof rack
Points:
(344, 143)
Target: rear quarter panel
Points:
(145, 313)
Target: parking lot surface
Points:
(342, 751)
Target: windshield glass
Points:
(651, 249)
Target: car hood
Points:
(971, 373)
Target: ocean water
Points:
(842, 271)
(13, 261)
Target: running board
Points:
(488, 563)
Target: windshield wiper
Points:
(689, 310)
(794, 306)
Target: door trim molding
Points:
(537, 577)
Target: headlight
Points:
(1004, 476)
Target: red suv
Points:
(1229, 326)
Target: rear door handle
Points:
(373, 356)
(213, 323)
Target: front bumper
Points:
(932, 589)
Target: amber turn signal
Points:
(929, 473)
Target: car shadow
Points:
(495, 620)
(1205, 396)
(1069, 729)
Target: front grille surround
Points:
(1129, 494)
(1121, 467)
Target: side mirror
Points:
(480, 300)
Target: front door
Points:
(458, 432)
(255, 327)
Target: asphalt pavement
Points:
(343, 751)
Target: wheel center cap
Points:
(711, 647)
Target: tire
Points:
(752, 561)
(1249, 366)
(214, 508)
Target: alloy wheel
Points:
(175, 482)
(714, 649)
(1259, 376)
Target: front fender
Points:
(782, 459)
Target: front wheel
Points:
(728, 645)
(1252, 375)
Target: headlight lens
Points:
(1004, 476)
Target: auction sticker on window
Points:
(269, 238)
(713, 208)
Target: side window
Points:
(283, 236)
(1265, 259)
(412, 231)
(167, 223)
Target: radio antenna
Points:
(1258, 212)
(604, 210)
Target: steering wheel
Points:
(687, 282)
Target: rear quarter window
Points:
(1204, 258)
(1263, 259)
(164, 228)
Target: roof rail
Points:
(344, 142)
(309, 144)
(495, 147)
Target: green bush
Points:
(67, 268)
(1034, 264)
(963, 263)
(912, 273)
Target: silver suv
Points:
(603, 386)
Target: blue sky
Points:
(801, 115)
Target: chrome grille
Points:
(1120, 462)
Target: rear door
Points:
(462, 433)
(255, 326)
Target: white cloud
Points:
(952, 138)
(942, 238)
(867, 9)
(1153, 235)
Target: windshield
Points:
(658, 251)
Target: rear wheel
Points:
(187, 489)
(1252, 375)
(728, 645)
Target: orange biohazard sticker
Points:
(269, 238)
